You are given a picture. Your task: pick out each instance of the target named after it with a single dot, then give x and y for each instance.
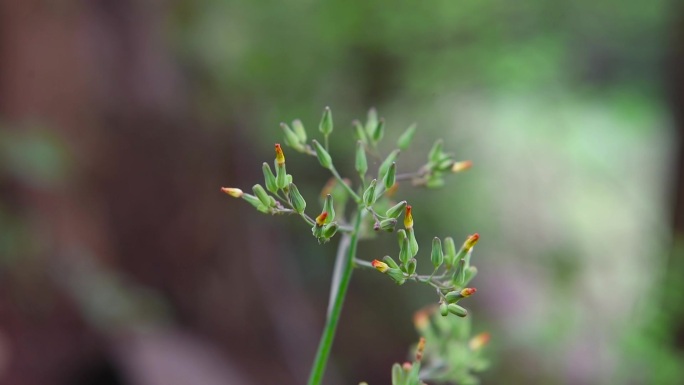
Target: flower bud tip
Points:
(471, 241)
(234, 192)
(380, 266)
(461, 166)
(408, 218)
(480, 340)
(280, 157)
(468, 291)
(320, 220)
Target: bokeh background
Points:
(122, 263)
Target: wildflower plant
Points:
(446, 352)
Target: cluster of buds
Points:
(439, 163)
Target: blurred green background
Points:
(122, 263)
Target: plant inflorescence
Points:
(446, 352)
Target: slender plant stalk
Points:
(337, 300)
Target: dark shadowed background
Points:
(121, 262)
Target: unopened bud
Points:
(470, 273)
(361, 161)
(397, 374)
(384, 167)
(479, 341)
(396, 210)
(421, 319)
(407, 366)
(468, 291)
(360, 132)
(437, 256)
(390, 176)
(404, 251)
(405, 139)
(323, 157)
(401, 235)
(408, 218)
(369, 194)
(443, 309)
(379, 131)
(329, 208)
(234, 192)
(254, 201)
(281, 175)
(397, 275)
(420, 349)
(291, 139)
(386, 224)
(413, 244)
(455, 296)
(458, 310)
(297, 200)
(269, 178)
(436, 152)
(390, 262)
(326, 125)
(449, 251)
(261, 194)
(380, 266)
(299, 130)
(411, 266)
(371, 122)
(461, 166)
(280, 156)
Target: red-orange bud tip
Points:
(320, 220)
(420, 349)
(471, 241)
(234, 192)
(280, 157)
(408, 218)
(407, 366)
(468, 291)
(421, 319)
(480, 340)
(461, 166)
(380, 266)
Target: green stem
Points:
(351, 192)
(339, 291)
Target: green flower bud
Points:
(291, 139)
(436, 151)
(317, 231)
(329, 208)
(458, 310)
(387, 163)
(391, 175)
(273, 201)
(369, 194)
(443, 310)
(372, 122)
(396, 210)
(437, 256)
(444, 164)
(459, 276)
(269, 178)
(288, 179)
(379, 131)
(411, 266)
(323, 156)
(413, 244)
(386, 225)
(360, 132)
(449, 251)
(435, 180)
(388, 260)
(281, 176)
(326, 125)
(397, 275)
(254, 201)
(297, 200)
(406, 138)
(401, 235)
(404, 251)
(261, 194)
(330, 229)
(298, 128)
(361, 162)
(397, 375)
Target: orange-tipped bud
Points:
(407, 366)
(461, 166)
(234, 192)
(468, 291)
(420, 349)
(408, 218)
(421, 318)
(280, 157)
(380, 266)
(480, 340)
(320, 220)
(471, 241)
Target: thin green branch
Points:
(351, 192)
(346, 267)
